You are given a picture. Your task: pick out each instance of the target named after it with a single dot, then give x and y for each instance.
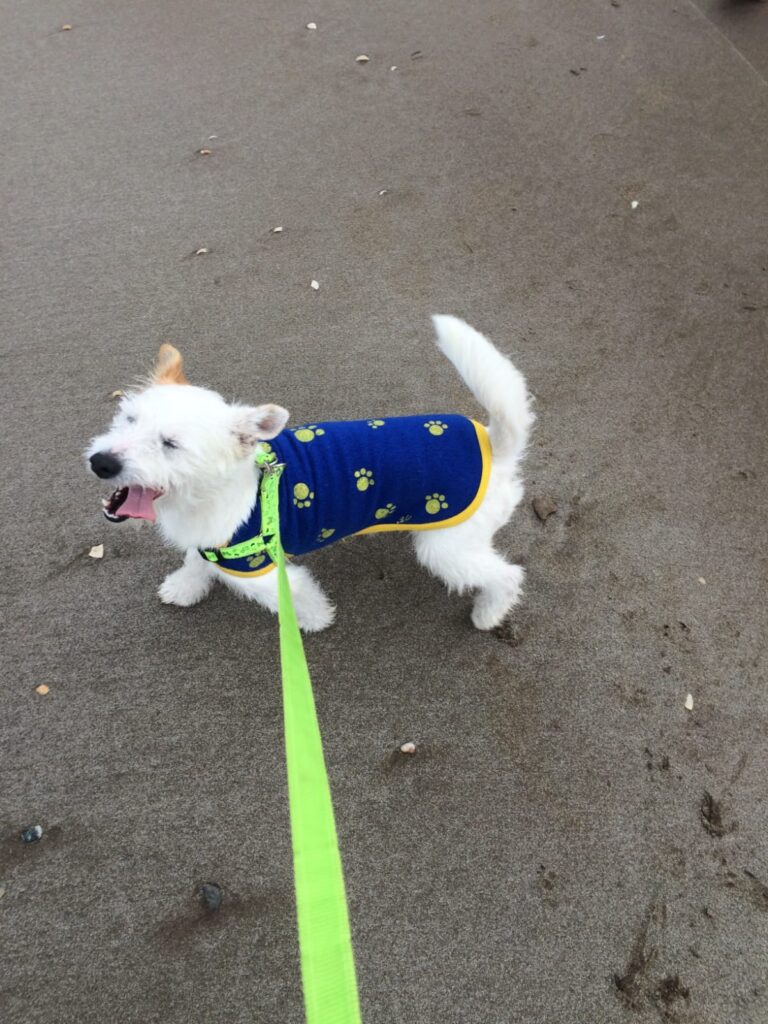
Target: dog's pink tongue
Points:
(140, 503)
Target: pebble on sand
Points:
(211, 895)
(544, 506)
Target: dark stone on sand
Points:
(544, 506)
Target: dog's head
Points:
(171, 439)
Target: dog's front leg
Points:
(190, 583)
(313, 609)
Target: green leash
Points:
(325, 941)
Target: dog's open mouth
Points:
(132, 502)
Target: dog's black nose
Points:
(105, 465)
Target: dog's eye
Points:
(131, 419)
(169, 443)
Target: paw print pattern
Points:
(405, 519)
(375, 424)
(302, 496)
(324, 535)
(309, 433)
(382, 513)
(266, 447)
(436, 427)
(257, 560)
(364, 478)
(435, 502)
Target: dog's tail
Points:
(497, 385)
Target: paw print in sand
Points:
(435, 502)
(375, 424)
(364, 478)
(309, 433)
(325, 534)
(382, 513)
(302, 496)
(257, 560)
(436, 427)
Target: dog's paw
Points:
(487, 618)
(316, 618)
(183, 589)
(494, 603)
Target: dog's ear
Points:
(257, 423)
(168, 367)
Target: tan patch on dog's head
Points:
(168, 367)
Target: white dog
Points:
(184, 457)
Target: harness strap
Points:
(270, 519)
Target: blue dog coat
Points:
(365, 476)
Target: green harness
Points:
(268, 541)
(325, 942)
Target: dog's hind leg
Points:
(464, 558)
(499, 593)
(189, 584)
